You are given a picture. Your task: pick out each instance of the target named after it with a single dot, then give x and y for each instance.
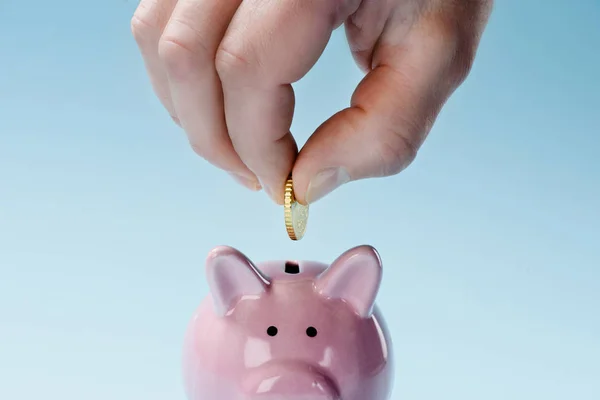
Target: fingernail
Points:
(270, 192)
(267, 189)
(176, 120)
(250, 183)
(326, 182)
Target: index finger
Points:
(268, 46)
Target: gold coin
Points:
(296, 214)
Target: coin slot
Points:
(292, 268)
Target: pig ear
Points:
(231, 275)
(355, 278)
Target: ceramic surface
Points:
(288, 330)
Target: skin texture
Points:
(223, 69)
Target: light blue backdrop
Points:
(490, 240)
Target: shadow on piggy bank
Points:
(289, 331)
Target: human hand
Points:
(223, 69)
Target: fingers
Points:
(364, 27)
(147, 25)
(269, 45)
(391, 112)
(224, 68)
(187, 48)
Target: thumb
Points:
(359, 142)
(391, 113)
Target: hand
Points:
(223, 69)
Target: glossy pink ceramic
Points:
(289, 331)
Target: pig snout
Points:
(289, 381)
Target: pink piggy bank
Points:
(289, 331)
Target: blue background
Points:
(490, 240)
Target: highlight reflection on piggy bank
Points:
(289, 331)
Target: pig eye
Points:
(271, 331)
(311, 331)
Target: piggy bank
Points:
(289, 330)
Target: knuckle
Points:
(183, 48)
(462, 60)
(231, 62)
(142, 29)
(455, 54)
(148, 21)
(458, 27)
(176, 55)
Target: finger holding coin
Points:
(224, 68)
(268, 46)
